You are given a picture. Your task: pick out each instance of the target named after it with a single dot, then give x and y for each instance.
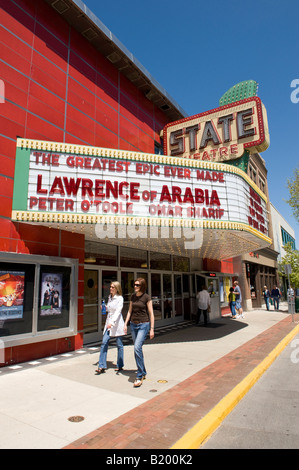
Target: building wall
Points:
(59, 88)
(280, 223)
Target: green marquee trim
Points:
(20, 193)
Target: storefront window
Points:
(160, 261)
(181, 264)
(54, 298)
(131, 258)
(16, 298)
(101, 254)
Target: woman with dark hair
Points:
(141, 317)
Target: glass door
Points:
(186, 297)
(178, 295)
(167, 295)
(107, 278)
(127, 285)
(156, 295)
(91, 322)
(96, 288)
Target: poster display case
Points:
(38, 297)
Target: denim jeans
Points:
(267, 303)
(139, 334)
(104, 349)
(232, 306)
(276, 303)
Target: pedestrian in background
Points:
(238, 293)
(275, 294)
(267, 294)
(114, 326)
(141, 317)
(203, 305)
(232, 302)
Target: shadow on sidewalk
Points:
(187, 331)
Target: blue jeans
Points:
(232, 306)
(139, 334)
(104, 349)
(267, 303)
(276, 303)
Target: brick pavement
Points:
(163, 420)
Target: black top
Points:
(139, 307)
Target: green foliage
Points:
(293, 185)
(291, 257)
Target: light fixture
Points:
(90, 259)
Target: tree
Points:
(291, 257)
(293, 185)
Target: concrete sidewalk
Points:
(190, 369)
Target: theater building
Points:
(104, 177)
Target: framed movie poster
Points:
(51, 294)
(11, 294)
(54, 297)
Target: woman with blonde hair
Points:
(114, 326)
(141, 317)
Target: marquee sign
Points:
(220, 134)
(64, 183)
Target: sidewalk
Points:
(190, 369)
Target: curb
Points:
(207, 425)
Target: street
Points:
(268, 416)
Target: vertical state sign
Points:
(220, 134)
(57, 182)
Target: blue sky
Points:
(199, 49)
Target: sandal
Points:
(100, 370)
(118, 369)
(138, 383)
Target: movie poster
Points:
(51, 294)
(11, 295)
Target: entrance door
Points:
(96, 288)
(178, 295)
(156, 295)
(186, 297)
(91, 324)
(127, 285)
(255, 286)
(167, 295)
(107, 278)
